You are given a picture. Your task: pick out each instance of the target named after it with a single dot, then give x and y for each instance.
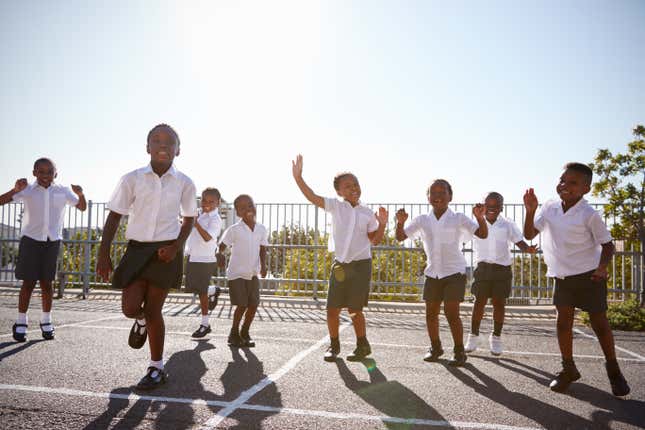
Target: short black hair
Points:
(340, 176)
(441, 182)
(213, 192)
(497, 196)
(581, 168)
(43, 160)
(164, 126)
(240, 197)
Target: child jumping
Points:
(201, 247)
(153, 197)
(442, 232)
(577, 249)
(248, 241)
(44, 208)
(354, 229)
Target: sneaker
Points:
(563, 379)
(202, 331)
(433, 354)
(331, 353)
(213, 298)
(360, 353)
(618, 383)
(19, 337)
(472, 343)
(246, 338)
(235, 340)
(154, 378)
(496, 346)
(137, 339)
(459, 359)
(47, 334)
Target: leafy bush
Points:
(627, 315)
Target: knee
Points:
(453, 317)
(355, 313)
(131, 311)
(46, 286)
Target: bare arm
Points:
(401, 217)
(531, 204)
(221, 260)
(605, 257)
(20, 185)
(103, 261)
(82, 203)
(377, 236)
(202, 232)
(167, 253)
(306, 191)
(263, 261)
(482, 231)
(525, 247)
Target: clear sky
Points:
(493, 95)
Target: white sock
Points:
(22, 319)
(211, 290)
(46, 318)
(205, 320)
(142, 322)
(157, 364)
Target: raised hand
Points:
(532, 249)
(21, 184)
(297, 167)
(401, 216)
(381, 215)
(78, 190)
(479, 210)
(167, 253)
(530, 200)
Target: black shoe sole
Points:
(564, 388)
(200, 334)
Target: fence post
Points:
(87, 247)
(316, 234)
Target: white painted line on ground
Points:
(262, 408)
(272, 378)
(70, 325)
(633, 354)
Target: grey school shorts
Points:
(349, 284)
(37, 259)
(198, 276)
(451, 288)
(492, 280)
(579, 291)
(244, 292)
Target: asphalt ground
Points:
(84, 379)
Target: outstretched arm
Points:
(531, 205)
(308, 192)
(20, 185)
(482, 231)
(401, 217)
(377, 236)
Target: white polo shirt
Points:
(153, 204)
(442, 239)
(571, 240)
(245, 249)
(198, 250)
(44, 210)
(350, 225)
(495, 248)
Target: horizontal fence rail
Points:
(298, 260)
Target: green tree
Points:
(621, 180)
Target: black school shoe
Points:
(619, 386)
(433, 354)
(236, 341)
(19, 337)
(459, 359)
(564, 378)
(47, 335)
(153, 379)
(246, 338)
(213, 298)
(332, 353)
(202, 331)
(136, 340)
(360, 353)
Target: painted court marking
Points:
(262, 408)
(633, 354)
(76, 324)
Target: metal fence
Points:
(298, 260)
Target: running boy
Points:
(153, 197)
(577, 249)
(493, 275)
(44, 207)
(248, 241)
(201, 247)
(354, 229)
(442, 232)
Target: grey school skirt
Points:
(140, 261)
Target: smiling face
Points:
(349, 189)
(493, 209)
(439, 197)
(245, 209)
(209, 202)
(45, 173)
(572, 186)
(163, 146)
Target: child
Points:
(493, 275)
(200, 248)
(40, 239)
(354, 229)
(248, 241)
(443, 232)
(152, 197)
(577, 249)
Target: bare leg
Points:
(432, 320)
(564, 326)
(601, 327)
(451, 310)
(358, 320)
(333, 322)
(132, 299)
(154, 299)
(47, 295)
(25, 295)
